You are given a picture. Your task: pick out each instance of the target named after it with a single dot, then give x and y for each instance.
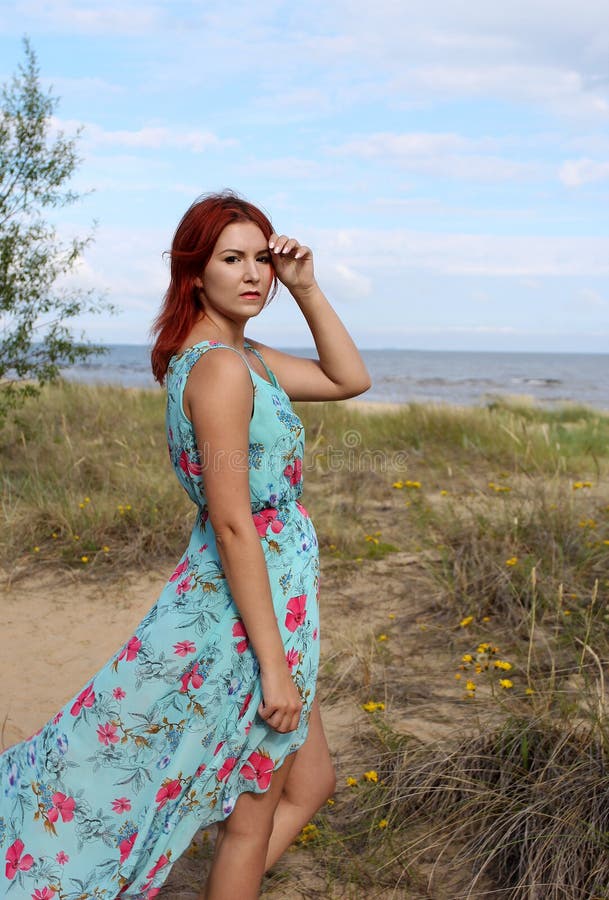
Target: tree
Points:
(36, 165)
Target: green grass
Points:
(505, 511)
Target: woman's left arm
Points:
(340, 371)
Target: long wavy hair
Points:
(191, 250)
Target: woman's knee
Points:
(249, 822)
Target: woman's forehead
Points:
(241, 235)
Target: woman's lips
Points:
(250, 294)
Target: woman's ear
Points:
(198, 283)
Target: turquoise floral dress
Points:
(165, 737)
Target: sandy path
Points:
(56, 634)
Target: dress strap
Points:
(261, 358)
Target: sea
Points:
(433, 376)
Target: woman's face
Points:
(237, 279)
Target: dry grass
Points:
(452, 540)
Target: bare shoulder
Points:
(302, 378)
(220, 381)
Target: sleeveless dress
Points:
(165, 737)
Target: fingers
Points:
(281, 720)
(281, 244)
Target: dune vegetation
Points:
(465, 580)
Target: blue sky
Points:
(448, 163)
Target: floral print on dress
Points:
(163, 739)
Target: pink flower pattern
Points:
(16, 860)
(240, 632)
(183, 648)
(168, 791)
(62, 806)
(131, 649)
(266, 518)
(292, 658)
(296, 614)
(260, 768)
(106, 734)
(166, 733)
(85, 699)
(294, 472)
(191, 679)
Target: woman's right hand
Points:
(281, 704)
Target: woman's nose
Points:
(251, 272)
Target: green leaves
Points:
(37, 162)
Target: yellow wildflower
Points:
(470, 686)
(486, 618)
(477, 668)
(392, 615)
(84, 559)
(502, 664)
(351, 782)
(55, 535)
(512, 561)
(482, 648)
(81, 505)
(566, 612)
(371, 776)
(467, 658)
(382, 637)
(372, 539)
(506, 683)
(457, 675)
(413, 484)
(398, 484)
(330, 801)
(443, 493)
(466, 621)
(36, 549)
(529, 691)
(383, 824)
(309, 833)
(606, 543)
(372, 706)
(106, 549)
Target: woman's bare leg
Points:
(242, 846)
(310, 782)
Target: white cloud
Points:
(591, 298)
(156, 138)
(343, 281)
(374, 252)
(444, 154)
(89, 17)
(575, 172)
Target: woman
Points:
(208, 713)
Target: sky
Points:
(447, 163)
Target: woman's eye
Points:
(231, 259)
(265, 258)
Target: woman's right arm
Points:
(218, 400)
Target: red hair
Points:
(191, 250)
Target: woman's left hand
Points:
(293, 263)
